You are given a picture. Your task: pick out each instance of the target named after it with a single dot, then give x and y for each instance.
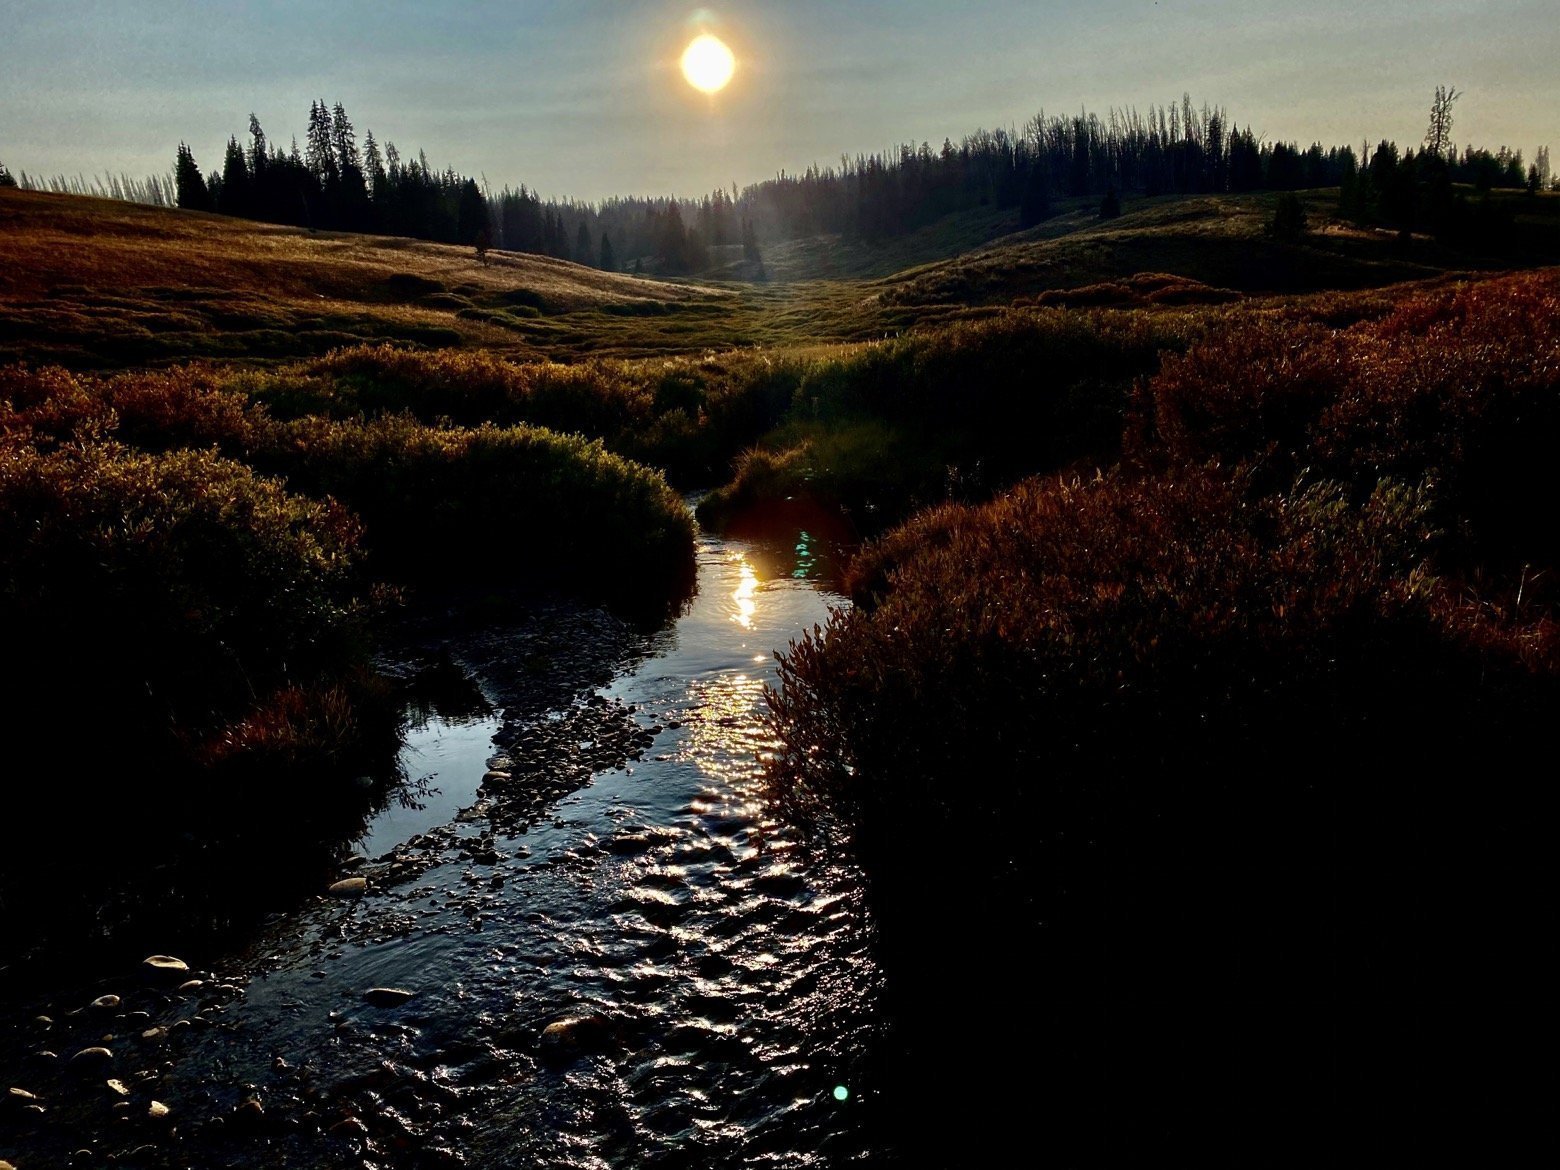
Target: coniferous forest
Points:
(337, 182)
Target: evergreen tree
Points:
(608, 258)
(1110, 206)
(750, 251)
(189, 183)
(6, 179)
(471, 210)
(1288, 222)
(319, 152)
(583, 252)
(235, 198)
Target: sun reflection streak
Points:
(745, 596)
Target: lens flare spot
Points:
(841, 1093)
(708, 64)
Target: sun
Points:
(708, 64)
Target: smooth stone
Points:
(353, 887)
(119, 1088)
(89, 1057)
(249, 1111)
(106, 1003)
(4, 1165)
(576, 1034)
(43, 1021)
(165, 968)
(19, 1096)
(190, 986)
(348, 1127)
(386, 997)
(156, 1111)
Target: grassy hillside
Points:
(97, 284)
(1220, 241)
(92, 282)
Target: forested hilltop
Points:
(335, 181)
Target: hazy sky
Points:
(583, 97)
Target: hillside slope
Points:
(92, 282)
(1220, 241)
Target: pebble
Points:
(119, 1088)
(19, 1096)
(191, 986)
(385, 997)
(156, 1111)
(105, 1003)
(353, 887)
(91, 1058)
(164, 968)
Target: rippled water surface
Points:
(723, 979)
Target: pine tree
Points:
(190, 184)
(583, 252)
(5, 177)
(750, 251)
(608, 258)
(1288, 222)
(236, 192)
(1110, 206)
(319, 152)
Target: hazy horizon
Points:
(584, 100)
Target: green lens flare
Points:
(841, 1092)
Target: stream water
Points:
(711, 991)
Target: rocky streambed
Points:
(608, 955)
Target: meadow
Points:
(1144, 496)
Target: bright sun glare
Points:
(708, 64)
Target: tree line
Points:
(335, 182)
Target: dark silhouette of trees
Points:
(608, 258)
(1077, 162)
(190, 183)
(1110, 206)
(6, 179)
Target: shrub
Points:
(1460, 387)
(165, 592)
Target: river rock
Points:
(164, 969)
(91, 1059)
(386, 997)
(157, 1111)
(353, 887)
(15, 1096)
(4, 1165)
(349, 1127)
(106, 1003)
(118, 1088)
(190, 986)
(576, 1035)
